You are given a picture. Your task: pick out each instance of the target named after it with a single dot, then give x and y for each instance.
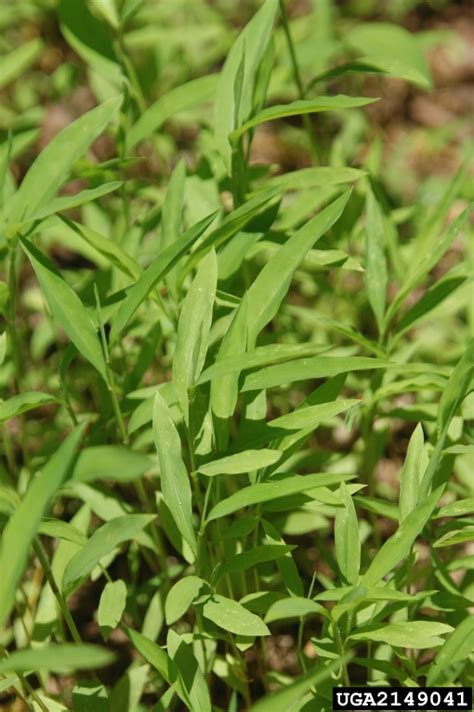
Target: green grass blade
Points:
(101, 543)
(187, 96)
(376, 276)
(175, 484)
(233, 617)
(90, 38)
(248, 559)
(109, 249)
(193, 330)
(300, 108)
(398, 546)
(225, 387)
(347, 539)
(58, 205)
(428, 260)
(266, 491)
(456, 649)
(246, 461)
(52, 167)
(268, 290)
(111, 606)
(110, 462)
(24, 402)
(308, 368)
(181, 596)
(246, 53)
(231, 224)
(66, 308)
(306, 178)
(57, 658)
(288, 696)
(156, 272)
(410, 476)
(294, 607)
(408, 634)
(21, 528)
(261, 356)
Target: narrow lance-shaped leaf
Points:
(24, 402)
(248, 559)
(398, 546)
(151, 277)
(457, 388)
(23, 525)
(246, 461)
(407, 634)
(233, 617)
(193, 330)
(286, 565)
(454, 393)
(283, 700)
(308, 368)
(231, 224)
(180, 597)
(265, 491)
(109, 249)
(62, 530)
(57, 658)
(91, 39)
(310, 416)
(261, 356)
(412, 470)
(246, 53)
(66, 202)
(268, 290)
(428, 260)
(459, 507)
(305, 178)
(346, 530)
(457, 536)
(376, 276)
(190, 679)
(53, 164)
(456, 649)
(111, 606)
(175, 483)
(301, 107)
(225, 388)
(110, 462)
(181, 98)
(436, 219)
(434, 296)
(294, 607)
(66, 308)
(301, 421)
(101, 543)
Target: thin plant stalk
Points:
(298, 81)
(69, 620)
(110, 377)
(11, 322)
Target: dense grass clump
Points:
(235, 362)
